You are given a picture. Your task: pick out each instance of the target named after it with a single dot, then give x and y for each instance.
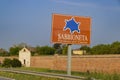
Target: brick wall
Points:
(2, 58)
(42, 61)
(98, 63)
(83, 63)
(108, 64)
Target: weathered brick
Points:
(92, 63)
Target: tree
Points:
(3, 52)
(115, 47)
(58, 48)
(45, 50)
(101, 49)
(21, 45)
(64, 49)
(86, 48)
(14, 50)
(57, 45)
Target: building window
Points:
(24, 50)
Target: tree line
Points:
(113, 48)
(38, 50)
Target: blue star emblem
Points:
(72, 25)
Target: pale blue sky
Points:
(29, 21)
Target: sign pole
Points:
(63, 28)
(69, 60)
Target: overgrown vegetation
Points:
(60, 48)
(113, 48)
(87, 75)
(25, 76)
(3, 52)
(11, 63)
(45, 50)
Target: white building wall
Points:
(79, 52)
(24, 57)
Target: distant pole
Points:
(69, 60)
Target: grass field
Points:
(101, 76)
(87, 75)
(25, 77)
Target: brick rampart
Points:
(12, 57)
(92, 63)
(83, 63)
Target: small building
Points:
(24, 57)
(78, 52)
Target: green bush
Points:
(7, 63)
(11, 63)
(16, 63)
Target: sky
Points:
(29, 21)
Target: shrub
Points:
(7, 63)
(16, 63)
(11, 63)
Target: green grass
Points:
(87, 75)
(99, 76)
(17, 76)
(42, 70)
(106, 76)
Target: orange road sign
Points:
(68, 29)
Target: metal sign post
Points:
(69, 60)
